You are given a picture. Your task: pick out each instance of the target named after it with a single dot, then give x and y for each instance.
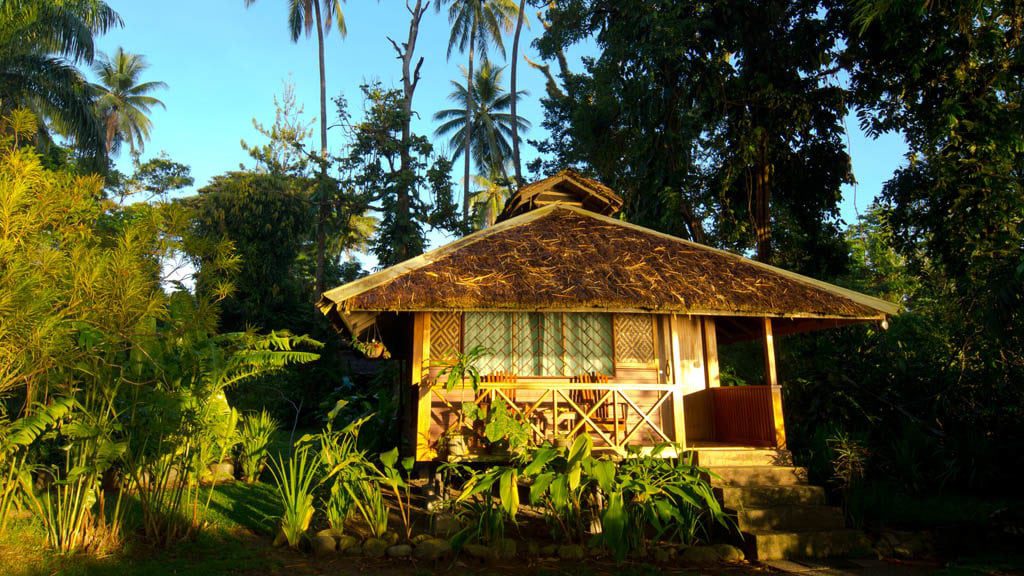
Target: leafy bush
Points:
(254, 439)
(643, 498)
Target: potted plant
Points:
(373, 349)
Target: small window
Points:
(541, 344)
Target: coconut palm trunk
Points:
(515, 66)
(469, 125)
(324, 205)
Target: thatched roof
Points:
(568, 187)
(565, 258)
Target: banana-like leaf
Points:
(508, 489)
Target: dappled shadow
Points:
(254, 506)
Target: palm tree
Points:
(476, 24)
(123, 103)
(489, 198)
(41, 42)
(520, 18)
(485, 121)
(305, 16)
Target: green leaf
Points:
(540, 459)
(580, 449)
(540, 486)
(390, 458)
(508, 490)
(604, 471)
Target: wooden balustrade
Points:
(745, 415)
(552, 410)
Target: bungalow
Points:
(592, 325)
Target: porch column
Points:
(771, 380)
(420, 361)
(711, 375)
(678, 423)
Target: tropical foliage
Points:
(41, 43)
(121, 379)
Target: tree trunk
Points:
(762, 215)
(323, 204)
(410, 78)
(469, 124)
(515, 117)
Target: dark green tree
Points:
(409, 196)
(949, 77)
(268, 220)
(708, 117)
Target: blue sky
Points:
(224, 63)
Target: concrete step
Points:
(713, 457)
(812, 544)
(795, 518)
(755, 475)
(766, 496)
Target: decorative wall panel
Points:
(445, 335)
(634, 340)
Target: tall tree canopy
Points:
(950, 78)
(708, 117)
(476, 25)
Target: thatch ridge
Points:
(601, 199)
(565, 258)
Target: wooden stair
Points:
(779, 514)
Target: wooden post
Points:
(678, 420)
(420, 375)
(710, 353)
(771, 379)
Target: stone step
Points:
(742, 497)
(713, 457)
(795, 518)
(812, 544)
(758, 475)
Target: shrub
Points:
(254, 439)
(295, 480)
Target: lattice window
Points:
(493, 331)
(535, 344)
(634, 340)
(588, 343)
(445, 335)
